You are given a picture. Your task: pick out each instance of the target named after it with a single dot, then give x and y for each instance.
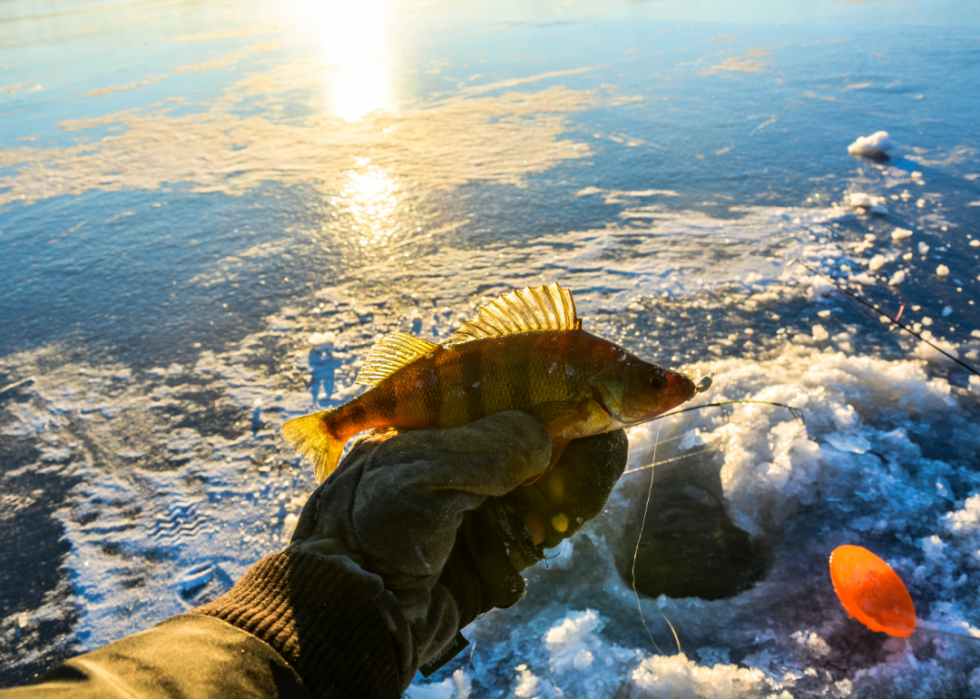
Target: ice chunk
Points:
(966, 521)
(820, 333)
(877, 262)
(853, 443)
(879, 209)
(321, 339)
(923, 248)
(861, 200)
(676, 676)
(901, 234)
(898, 278)
(813, 643)
(567, 641)
(877, 143)
(942, 271)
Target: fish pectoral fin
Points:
(389, 354)
(558, 445)
(524, 310)
(607, 387)
(555, 415)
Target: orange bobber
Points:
(871, 591)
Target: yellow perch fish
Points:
(524, 351)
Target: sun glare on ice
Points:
(352, 39)
(371, 196)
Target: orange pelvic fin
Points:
(558, 445)
(310, 436)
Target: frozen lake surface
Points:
(209, 211)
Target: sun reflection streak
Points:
(371, 197)
(352, 39)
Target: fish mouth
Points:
(680, 388)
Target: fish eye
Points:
(657, 378)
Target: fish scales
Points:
(574, 383)
(456, 385)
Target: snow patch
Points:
(877, 143)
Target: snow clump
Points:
(877, 143)
(862, 200)
(898, 278)
(676, 676)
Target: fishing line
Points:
(674, 631)
(895, 320)
(666, 461)
(797, 413)
(636, 552)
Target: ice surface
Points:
(877, 143)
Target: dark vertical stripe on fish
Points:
(435, 393)
(356, 413)
(472, 373)
(520, 387)
(386, 404)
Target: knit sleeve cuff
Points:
(324, 616)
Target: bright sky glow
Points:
(352, 39)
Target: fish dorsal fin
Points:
(389, 354)
(525, 310)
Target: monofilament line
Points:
(636, 552)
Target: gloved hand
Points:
(440, 516)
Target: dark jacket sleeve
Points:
(297, 625)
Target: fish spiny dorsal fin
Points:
(525, 310)
(389, 354)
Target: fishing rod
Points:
(894, 320)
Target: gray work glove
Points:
(441, 517)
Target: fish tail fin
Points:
(310, 435)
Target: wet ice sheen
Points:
(668, 187)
